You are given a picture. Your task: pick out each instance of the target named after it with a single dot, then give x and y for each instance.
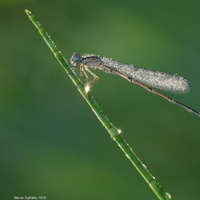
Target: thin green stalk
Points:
(112, 130)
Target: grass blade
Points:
(112, 130)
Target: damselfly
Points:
(139, 76)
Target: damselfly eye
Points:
(75, 59)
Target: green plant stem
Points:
(112, 130)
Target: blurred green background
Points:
(52, 145)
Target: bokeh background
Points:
(50, 142)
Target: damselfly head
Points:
(75, 59)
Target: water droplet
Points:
(144, 166)
(167, 195)
(119, 130)
(87, 88)
(127, 156)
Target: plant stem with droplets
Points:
(112, 130)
